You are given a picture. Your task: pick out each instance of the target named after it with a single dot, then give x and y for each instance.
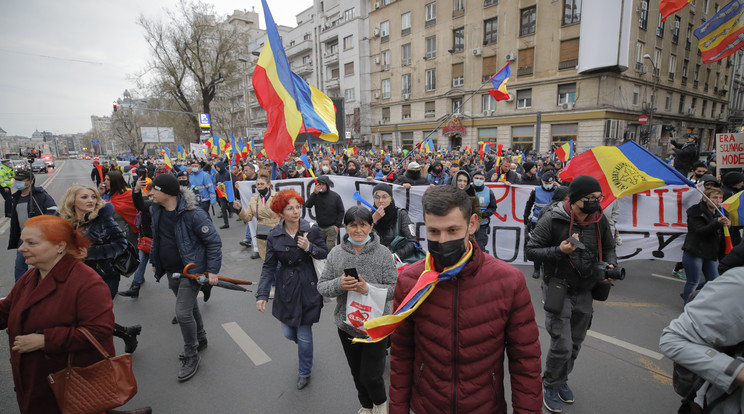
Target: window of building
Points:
(681, 104)
(405, 54)
(563, 133)
(488, 103)
(387, 139)
(459, 5)
(385, 58)
(431, 47)
(660, 27)
(306, 37)
(713, 110)
(349, 94)
(487, 3)
(566, 93)
(458, 75)
(704, 108)
(349, 69)
(528, 21)
(523, 137)
(706, 5)
(429, 109)
(456, 105)
(685, 64)
(643, 19)
(693, 104)
(405, 82)
(571, 11)
(348, 42)
(405, 23)
(334, 73)
(688, 41)
(490, 31)
(386, 2)
(672, 66)
(385, 31)
(657, 62)
(406, 111)
(697, 76)
(305, 60)
(431, 79)
(386, 88)
(526, 62)
(350, 120)
(430, 13)
(675, 29)
(488, 134)
(386, 113)
(406, 140)
(524, 98)
(569, 54)
(490, 66)
(668, 102)
(349, 14)
(458, 39)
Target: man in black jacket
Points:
(685, 154)
(569, 267)
(412, 176)
(329, 209)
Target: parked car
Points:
(20, 165)
(39, 166)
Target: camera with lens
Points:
(141, 172)
(602, 271)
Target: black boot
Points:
(129, 335)
(207, 290)
(133, 292)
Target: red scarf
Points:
(124, 206)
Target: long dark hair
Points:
(117, 184)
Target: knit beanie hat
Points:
(528, 166)
(167, 183)
(383, 187)
(582, 186)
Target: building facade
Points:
(581, 70)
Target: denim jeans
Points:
(694, 266)
(248, 232)
(187, 313)
(20, 264)
(139, 274)
(303, 337)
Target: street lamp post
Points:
(652, 110)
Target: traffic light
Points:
(116, 106)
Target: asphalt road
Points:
(250, 368)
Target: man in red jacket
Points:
(448, 355)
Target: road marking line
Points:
(254, 352)
(627, 345)
(5, 224)
(668, 278)
(56, 172)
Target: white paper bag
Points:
(361, 308)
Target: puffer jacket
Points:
(386, 233)
(198, 241)
(109, 241)
(374, 263)
(39, 203)
(448, 356)
(296, 301)
(704, 233)
(557, 225)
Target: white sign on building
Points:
(156, 135)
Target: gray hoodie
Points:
(374, 264)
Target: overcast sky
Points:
(63, 61)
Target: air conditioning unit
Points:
(477, 51)
(510, 57)
(485, 112)
(511, 98)
(376, 32)
(377, 60)
(675, 25)
(643, 6)
(377, 5)
(377, 95)
(567, 106)
(406, 96)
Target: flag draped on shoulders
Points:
(623, 170)
(723, 34)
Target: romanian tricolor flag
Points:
(235, 153)
(623, 170)
(723, 34)
(565, 152)
(209, 143)
(669, 7)
(499, 83)
(167, 159)
(180, 152)
(734, 205)
(318, 111)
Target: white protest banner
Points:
(199, 151)
(730, 150)
(652, 224)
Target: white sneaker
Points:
(364, 411)
(380, 409)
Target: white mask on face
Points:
(326, 169)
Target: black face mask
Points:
(263, 191)
(590, 207)
(414, 175)
(437, 171)
(184, 183)
(699, 175)
(351, 172)
(448, 253)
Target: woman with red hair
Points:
(291, 247)
(56, 295)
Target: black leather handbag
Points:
(127, 262)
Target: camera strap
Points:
(599, 241)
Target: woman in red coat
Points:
(45, 306)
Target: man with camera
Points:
(577, 248)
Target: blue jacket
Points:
(198, 241)
(441, 179)
(296, 300)
(203, 186)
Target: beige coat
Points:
(264, 216)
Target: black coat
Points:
(704, 233)
(109, 241)
(329, 209)
(296, 300)
(386, 232)
(735, 258)
(406, 179)
(39, 202)
(684, 156)
(143, 207)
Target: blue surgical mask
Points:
(194, 169)
(479, 182)
(356, 243)
(19, 185)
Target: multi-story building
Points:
(581, 70)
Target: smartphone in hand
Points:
(352, 272)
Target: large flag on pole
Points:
(669, 7)
(275, 90)
(318, 111)
(499, 83)
(723, 34)
(623, 170)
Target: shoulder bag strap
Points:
(93, 341)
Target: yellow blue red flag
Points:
(723, 34)
(499, 81)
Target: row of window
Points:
(672, 68)
(682, 107)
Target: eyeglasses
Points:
(600, 198)
(382, 198)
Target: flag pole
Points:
(447, 118)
